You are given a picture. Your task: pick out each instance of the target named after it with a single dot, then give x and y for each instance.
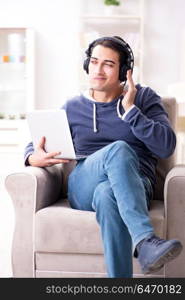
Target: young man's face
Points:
(104, 69)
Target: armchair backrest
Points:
(164, 165)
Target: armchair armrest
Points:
(174, 197)
(30, 190)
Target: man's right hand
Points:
(40, 158)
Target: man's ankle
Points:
(138, 246)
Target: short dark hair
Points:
(110, 43)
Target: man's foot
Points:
(154, 252)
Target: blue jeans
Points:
(109, 182)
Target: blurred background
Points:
(42, 45)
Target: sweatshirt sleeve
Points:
(27, 152)
(150, 124)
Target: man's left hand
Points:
(130, 93)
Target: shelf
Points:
(11, 124)
(4, 59)
(126, 17)
(99, 19)
(4, 90)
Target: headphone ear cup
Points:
(86, 64)
(123, 73)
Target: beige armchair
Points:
(53, 240)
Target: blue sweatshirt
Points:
(145, 127)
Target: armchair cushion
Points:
(59, 228)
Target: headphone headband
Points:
(129, 64)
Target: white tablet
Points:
(54, 126)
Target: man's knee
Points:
(123, 146)
(103, 196)
(123, 153)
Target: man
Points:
(122, 132)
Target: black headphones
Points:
(124, 67)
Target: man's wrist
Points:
(127, 111)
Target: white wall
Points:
(164, 56)
(55, 25)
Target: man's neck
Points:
(102, 96)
